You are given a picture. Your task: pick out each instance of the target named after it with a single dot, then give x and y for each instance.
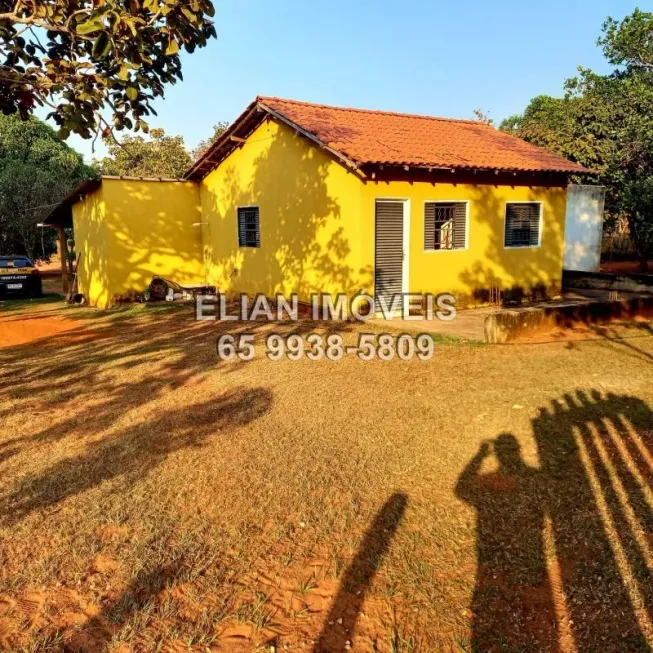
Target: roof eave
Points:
(439, 167)
(209, 161)
(61, 215)
(349, 162)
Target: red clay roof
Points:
(381, 137)
(366, 137)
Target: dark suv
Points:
(19, 277)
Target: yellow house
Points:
(303, 198)
(127, 230)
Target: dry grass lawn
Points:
(495, 498)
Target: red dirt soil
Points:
(624, 267)
(19, 330)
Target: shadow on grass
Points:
(86, 365)
(609, 334)
(134, 452)
(99, 632)
(340, 623)
(565, 551)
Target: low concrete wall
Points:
(508, 325)
(605, 281)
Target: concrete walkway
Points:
(469, 324)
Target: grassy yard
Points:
(495, 498)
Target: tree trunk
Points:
(63, 250)
(28, 244)
(640, 244)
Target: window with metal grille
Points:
(445, 225)
(523, 224)
(249, 230)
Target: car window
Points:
(22, 263)
(4, 263)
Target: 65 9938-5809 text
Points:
(315, 347)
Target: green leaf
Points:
(173, 48)
(90, 26)
(114, 20)
(102, 46)
(132, 92)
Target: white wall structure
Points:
(584, 228)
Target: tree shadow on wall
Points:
(306, 243)
(564, 551)
(519, 273)
(153, 230)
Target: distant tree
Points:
(85, 59)
(546, 121)
(605, 122)
(512, 124)
(202, 146)
(157, 156)
(37, 169)
(483, 117)
(629, 42)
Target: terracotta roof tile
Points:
(380, 137)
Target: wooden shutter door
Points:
(389, 250)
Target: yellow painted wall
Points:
(317, 226)
(312, 236)
(317, 229)
(486, 262)
(130, 230)
(92, 244)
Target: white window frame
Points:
(453, 249)
(541, 225)
(248, 206)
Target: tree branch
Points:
(13, 12)
(31, 20)
(110, 130)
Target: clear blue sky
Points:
(436, 57)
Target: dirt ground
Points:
(624, 267)
(152, 498)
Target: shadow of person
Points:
(339, 625)
(512, 607)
